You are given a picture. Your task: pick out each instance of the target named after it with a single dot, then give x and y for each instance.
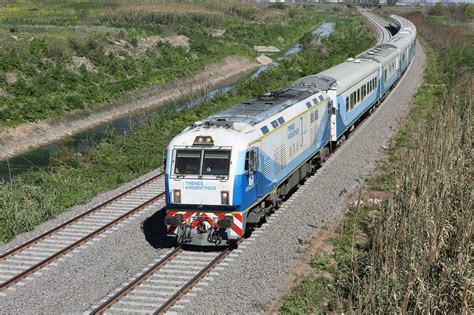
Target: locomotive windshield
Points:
(216, 162)
(202, 162)
(187, 162)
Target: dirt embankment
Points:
(24, 137)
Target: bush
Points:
(57, 48)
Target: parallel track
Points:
(35, 254)
(165, 282)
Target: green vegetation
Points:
(412, 253)
(57, 57)
(36, 196)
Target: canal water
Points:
(39, 158)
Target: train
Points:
(226, 173)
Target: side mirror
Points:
(165, 154)
(250, 162)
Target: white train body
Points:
(228, 171)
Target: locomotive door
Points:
(253, 170)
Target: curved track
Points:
(35, 254)
(379, 23)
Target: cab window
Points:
(216, 162)
(187, 162)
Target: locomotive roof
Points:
(261, 108)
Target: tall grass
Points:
(145, 17)
(412, 253)
(419, 257)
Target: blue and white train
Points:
(227, 172)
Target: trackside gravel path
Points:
(253, 278)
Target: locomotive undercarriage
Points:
(202, 235)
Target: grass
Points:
(412, 253)
(39, 41)
(36, 196)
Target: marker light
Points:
(224, 197)
(177, 196)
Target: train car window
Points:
(274, 124)
(187, 162)
(358, 95)
(347, 104)
(363, 91)
(264, 129)
(281, 120)
(216, 162)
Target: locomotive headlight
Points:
(204, 140)
(177, 196)
(224, 197)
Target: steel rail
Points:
(132, 285)
(189, 285)
(152, 271)
(82, 215)
(80, 241)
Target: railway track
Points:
(42, 250)
(163, 283)
(385, 35)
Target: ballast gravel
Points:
(90, 272)
(250, 279)
(253, 277)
